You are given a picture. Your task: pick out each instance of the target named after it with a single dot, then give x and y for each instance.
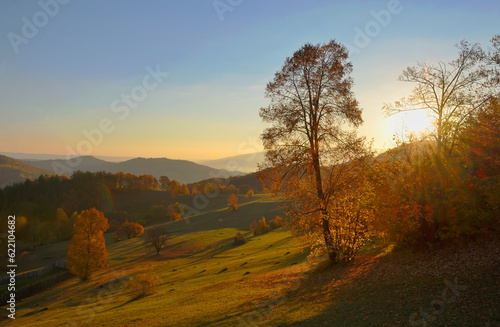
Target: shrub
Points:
(239, 239)
(128, 229)
(276, 223)
(250, 194)
(259, 227)
(144, 284)
(176, 216)
(175, 211)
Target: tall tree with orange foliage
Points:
(87, 249)
(310, 156)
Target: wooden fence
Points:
(35, 272)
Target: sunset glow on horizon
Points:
(185, 81)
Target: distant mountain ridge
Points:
(243, 162)
(181, 170)
(14, 171)
(42, 156)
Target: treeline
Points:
(83, 190)
(47, 207)
(242, 183)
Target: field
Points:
(206, 281)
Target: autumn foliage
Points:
(129, 230)
(144, 284)
(259, 227)
(87, 249)
(310, 156)
(424, 197)
(232, 202)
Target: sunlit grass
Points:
(206, 281)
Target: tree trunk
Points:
(327, 234)
(332, 254)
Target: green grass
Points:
(206, 281)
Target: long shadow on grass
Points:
(135, 298)
(322, 284)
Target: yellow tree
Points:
(232, 202)
(308, 147)
(184, 189)
(87, 249)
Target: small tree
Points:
(259, 227)
(156, 237)
(128, 229)
(87, 249)
(144, 284)
(250, 194)
(232, 202)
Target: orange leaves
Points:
(128, 229)
(232, 202)
(87, 249)
(259, 227)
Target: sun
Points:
(417, 121)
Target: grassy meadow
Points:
(206, 281)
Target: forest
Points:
(48, 206)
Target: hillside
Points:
(13, 171)
(181, 170)
(206, 281)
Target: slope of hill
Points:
(13, 171)
(244, 162)
(207, 281)
(181, 170)
(84, 163)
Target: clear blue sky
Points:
(65, 68)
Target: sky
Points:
(186, 79)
